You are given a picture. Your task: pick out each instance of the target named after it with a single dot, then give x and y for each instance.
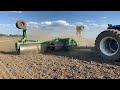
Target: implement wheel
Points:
(21, 24)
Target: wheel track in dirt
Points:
(7, 70)
(44, 66)
(15, 66)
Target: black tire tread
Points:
(115, 33)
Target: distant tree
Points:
(3, 34)
(10, 35)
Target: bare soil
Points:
(76, 64)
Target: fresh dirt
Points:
(76, 64)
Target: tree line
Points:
(10, 35)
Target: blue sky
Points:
(56, 22)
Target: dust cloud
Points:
(39, 35)
(44, 35)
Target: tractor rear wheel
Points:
(107, 44)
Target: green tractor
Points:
(25, 45)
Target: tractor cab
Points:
(110, 26)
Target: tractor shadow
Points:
(85, 54)
(9, 52)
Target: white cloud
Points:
(6, 25)
(79, 23)
(56, 23)
(52, 23)
(47, 22)
(9, 29)
(1, 11)
(11, 11)
(60, 22)
(94, 24)
(32, 23)
(89, 21)
(104, 25)
(103, 17)
(16, 11)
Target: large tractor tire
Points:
(21, 24)
(107, 44)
